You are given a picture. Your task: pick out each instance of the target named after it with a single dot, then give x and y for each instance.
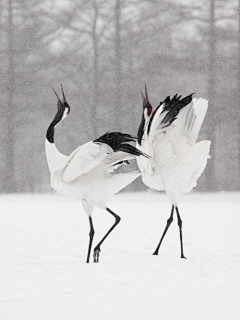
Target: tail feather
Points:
(115, 139)
(132, 150)
(118, 142)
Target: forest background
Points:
(102, 52)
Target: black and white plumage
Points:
(168, 136)
(85, 174)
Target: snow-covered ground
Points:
(43, 247)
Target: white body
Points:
(177, 161)
(85, 174)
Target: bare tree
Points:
(211, 94)
(238, 87)
(95, 62)
(9, 108)
(117, 49)
(102, 52)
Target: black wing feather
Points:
(172, 107)
(118, 142)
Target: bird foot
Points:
(182, 256)
(155, 253)
(96, 254)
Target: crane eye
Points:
(149, 111)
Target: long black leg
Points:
(180, 231)
(169, 221)
(91, 234)
(97, 248)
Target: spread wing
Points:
(84, 159)
(172, 130)
(113, 146)
(190, 119)
(162, 122)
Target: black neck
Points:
(50, 130)
(141, 130)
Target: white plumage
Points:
(85, 174)
(169, 138)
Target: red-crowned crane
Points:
(84, 175)
(168, 136)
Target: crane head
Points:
(63, 106)
(146, 104)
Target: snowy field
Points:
(43, 247)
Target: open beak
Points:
(145, 100)
(64, 98)
(56, 94)
(146, 103)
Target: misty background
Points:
(102, 52)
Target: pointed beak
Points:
(146, 94)
(146, 103)
(64, 98)
(56, 94)
(144, 100)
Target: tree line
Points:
(102, 51)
